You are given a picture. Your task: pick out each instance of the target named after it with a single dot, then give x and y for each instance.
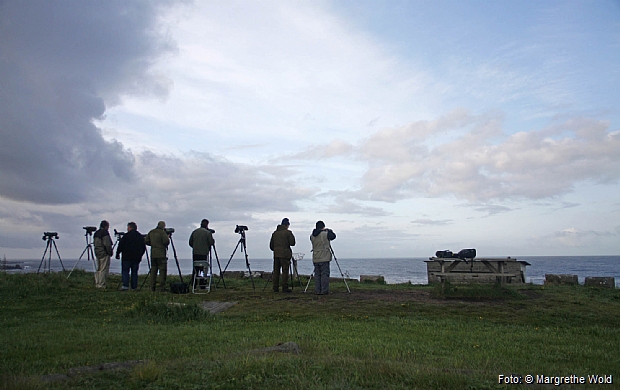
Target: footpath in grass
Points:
(53, 329)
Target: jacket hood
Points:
(316, 232)
(281, 227)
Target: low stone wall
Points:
(561, 279)
(372, 279)
(600, 281)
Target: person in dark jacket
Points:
(103, 251)
(321, 256)
(132, 247)
(158, 240)
(281, 242)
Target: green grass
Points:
(377, 337)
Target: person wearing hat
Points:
(281, 242)
(158, 240)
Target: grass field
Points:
(377, 337)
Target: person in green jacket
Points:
(281, 242)
(158, 240)
(201, 241)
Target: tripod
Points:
(148, 262)
(243, 249)
(88, 250)
(118, 236)
(174, 251)
(49, 237)
(292, 271)
(339, 269)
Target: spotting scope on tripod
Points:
(90, 253)
(50, 237)
(240, 229)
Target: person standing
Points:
(132, 247)
(158, 240)
(201, 240)
(281, 242)
(103, 251)
(321, 256)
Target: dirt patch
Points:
(216, 307)
(128, 365)
(413, 296)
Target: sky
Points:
(407, 126)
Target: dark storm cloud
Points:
(61, 64)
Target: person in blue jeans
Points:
(321, 256)
(132, 248)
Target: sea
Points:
(394, 270)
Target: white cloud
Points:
(576, 238)
(470, 158)
(243, 111)
(432, 222)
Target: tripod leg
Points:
(220, 267)
(176, 259)
(295, 271)
(47, 245)
(341, 274)
(148, 262)
(91, 254)
(268, 280)
(339, 269)
(291, 272)
(146, 278)
(76, 263)
(225, 268)
(210, 275)
(247, 263)
(63, 266)
(309, 279)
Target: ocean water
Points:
(395, 270)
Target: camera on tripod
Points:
(48, 235)
(169, 231)
(118, 234)
(90, 229)
(240, 229)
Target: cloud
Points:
(470, 157)
(335, 148)
(491, 209)
(345, 206)
(179, 190)
(432, 222)
(62, 64)
(201, 181)
(573, 237)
